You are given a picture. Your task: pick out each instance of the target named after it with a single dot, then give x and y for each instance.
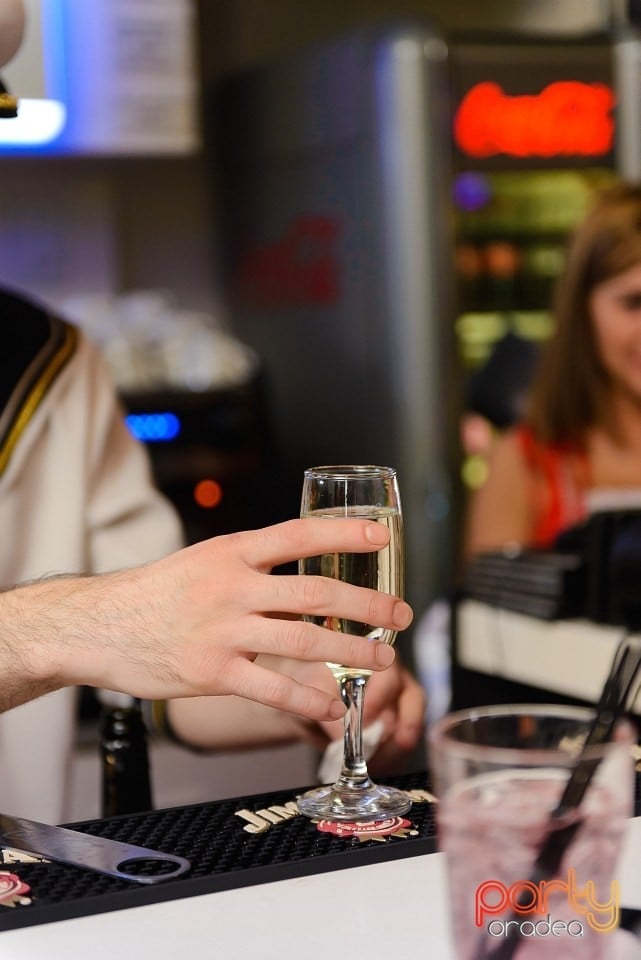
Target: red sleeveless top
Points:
(560, 475)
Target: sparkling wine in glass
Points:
(369, 492)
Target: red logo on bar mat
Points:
(13, 890)
(370, 830)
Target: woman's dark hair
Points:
(569, 392)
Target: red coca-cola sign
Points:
(566, 118)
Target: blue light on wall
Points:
(153, 427)
(55, 51)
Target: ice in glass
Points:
(499, 773)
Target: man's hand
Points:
(194, 623)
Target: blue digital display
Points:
(153, 427)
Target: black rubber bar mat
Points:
(230, 843)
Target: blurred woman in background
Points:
(578, 448)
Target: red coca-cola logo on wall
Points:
(567, 118)
(300, 268)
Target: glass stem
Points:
(354, 770)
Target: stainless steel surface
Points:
(372, 346)
(412, 129)
(627, 66)
(84, 850)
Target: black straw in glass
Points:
(612, 703)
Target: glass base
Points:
(357, 804)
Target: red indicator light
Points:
(567, 118)
(208, 493)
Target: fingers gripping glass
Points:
(367, 492)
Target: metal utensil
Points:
(614, 698)
(84, 850)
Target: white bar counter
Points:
(396, 910)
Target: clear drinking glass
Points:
(499, 773)
(371, 492)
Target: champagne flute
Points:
(369, 492)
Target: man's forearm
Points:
(55, 632)
(26, 665)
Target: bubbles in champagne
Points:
(378, 570)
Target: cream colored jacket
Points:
(76, 497)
